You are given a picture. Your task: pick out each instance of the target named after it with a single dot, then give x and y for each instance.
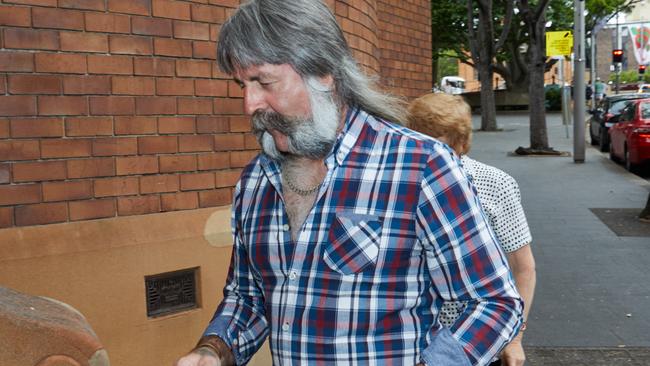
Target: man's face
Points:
(292, 117)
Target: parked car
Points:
(630, 136)
(644, 88)
(606, 114)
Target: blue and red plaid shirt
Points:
(396, 230)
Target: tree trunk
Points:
(488, 108)
(485, 39)
(538, 132)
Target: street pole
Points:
(579, 83)
(617, 66)
(592, 71)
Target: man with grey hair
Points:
(349, 230)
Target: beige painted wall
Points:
(99, 268)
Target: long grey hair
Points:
(305, 35)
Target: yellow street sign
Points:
(559, 43)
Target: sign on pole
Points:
(559, 43)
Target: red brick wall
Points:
(116, 107)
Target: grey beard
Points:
(311, 138)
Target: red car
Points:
(630, 136)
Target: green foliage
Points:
(629, 77)
(553, 97)
(449, 28)
(447, 66)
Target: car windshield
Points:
(645, 110)
(617, 107)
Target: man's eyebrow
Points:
(258, 77)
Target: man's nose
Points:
(253, 100)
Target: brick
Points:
(228, 106)
(33, 2)
(179, 201)
(226, 3)
(34, 84)
(154, 66)
(3, 83)
(197, 181)
(65, 148)
(172, 47)
(57, 18)
(41, 214)
(240, 124)
(132, 165)
(67, 191)
(88, 126)
(16, 61)
(202, 49)
(92, 209)
(100, 106)
(174, 86)
(193, 68)
(234, 90)
(111, 187)
(5, 173)
(114, 146)
(215, 197)
(155, 105)
(158, 145)
(135, 125)
(6, 217)
(152, 26)
(227, 178)
(214, 161)
(20, 194)
(83, 4)
(159, 183)
(84, 85)
(58, 106)
(239, 159)
(138, 205)
(15, 16)
(36, 127)
(191, 30)
(107, 23)
(17, 105)
(251, 143)
(171, 9)
(31, 39)
(208, 14)
(62, 63)
(41, 171)
(195, 143)
(214, 32)
(177, 163)
(90, 168)
(5, 131)
(228, 142)
(208, 124)
(137, 7)
(129, 85)
(131, 45)
(101, 64)
(176, 125)
(83, 42)
(194, 106)
(19, 150)
(211, 88)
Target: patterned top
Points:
(396, 230)
(501, 200)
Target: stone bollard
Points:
(38, 331)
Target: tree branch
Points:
(539, 11)
(473, 46)
(506, 26)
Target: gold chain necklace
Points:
(299, 191)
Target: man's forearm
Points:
(522, 264)
(219, 347)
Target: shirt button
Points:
(293, 275)
(285, 327)
(234, 342)
(286, 227)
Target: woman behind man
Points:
(448, 118)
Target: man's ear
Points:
(327, 81)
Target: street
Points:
(592, 302)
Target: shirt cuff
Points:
(445, 350)
(221, 329)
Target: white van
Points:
(452, 85)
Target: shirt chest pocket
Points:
(353, 242)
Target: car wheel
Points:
(628, 164)
(603, 141)
(612, 157)
(592, 138)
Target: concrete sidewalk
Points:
(592, 303)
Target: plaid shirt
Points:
(396, 230)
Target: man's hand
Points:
(513, 354)
(201, 356)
